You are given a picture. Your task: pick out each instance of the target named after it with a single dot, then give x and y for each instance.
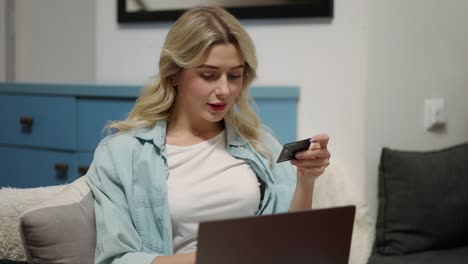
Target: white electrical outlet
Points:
(434, 113)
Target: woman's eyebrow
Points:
(217, 68)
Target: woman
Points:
(192, 149)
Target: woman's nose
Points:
(223, 86)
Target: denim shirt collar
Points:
(157, 135)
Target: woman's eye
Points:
(207, 76)
(213, 76)
(234, 76)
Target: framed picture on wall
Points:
(129, 11)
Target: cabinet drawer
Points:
(27, 168)
(93, 115)
(39, 121)
(84, 162)
(279, 115)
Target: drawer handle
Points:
(61, 170)
(26, 120)
(26, 124)
(82, 170)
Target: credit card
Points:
(290, 149)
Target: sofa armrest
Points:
(337, 188)
(13, 202)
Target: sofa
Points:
(423, 207)
(56, 224)
(422, 213)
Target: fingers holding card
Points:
(290, 150)
(310, 156)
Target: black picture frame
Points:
(295, 9)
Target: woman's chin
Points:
(215, 117)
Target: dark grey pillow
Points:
(423, 200)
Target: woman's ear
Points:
(174, 80)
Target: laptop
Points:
(312, 236)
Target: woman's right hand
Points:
(186, 258)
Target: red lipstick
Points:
(217, 107)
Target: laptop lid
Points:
(312, 236)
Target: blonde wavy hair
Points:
(185, 44)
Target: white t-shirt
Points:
(206, 183)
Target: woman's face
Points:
(207, 90)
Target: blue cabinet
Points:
(93, 115)
(38, 121)
(49, 132)
(30, 167)
(279, 114)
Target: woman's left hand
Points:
(312, 163)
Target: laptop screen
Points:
(311, 236)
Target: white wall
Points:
(2, 41)
(328, 61)
(55, 41)
(417, 49)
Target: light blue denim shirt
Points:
(128, 179)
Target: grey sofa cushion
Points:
(445, 256)
(423, 200)
(62, 230)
